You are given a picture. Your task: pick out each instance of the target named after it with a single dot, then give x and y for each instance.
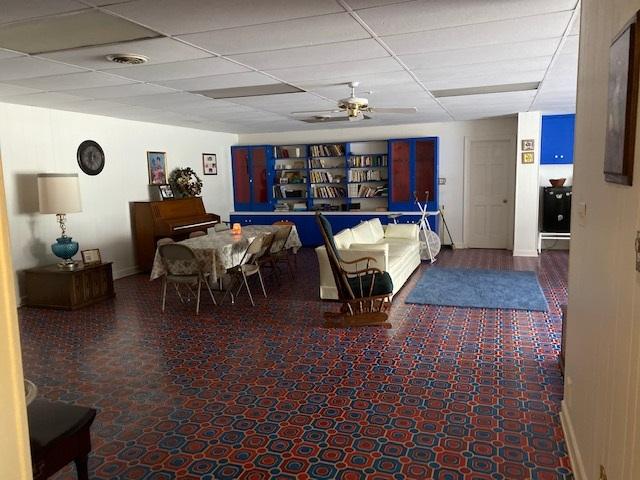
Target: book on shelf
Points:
(325, 177)
(280, 192)
(329, 150)
(367, 175)
(328, 192)
(366, 191)
(286, 152)
(368, 160)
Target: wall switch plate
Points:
(581, 211)
(442, 181)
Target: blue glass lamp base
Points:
(65, 248)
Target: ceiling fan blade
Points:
(317, 112)
(393, 110)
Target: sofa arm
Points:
(380, 258)
(408, 231)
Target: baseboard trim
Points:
(125, 272)
(525, 253)
(572, 445)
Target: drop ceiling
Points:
(399, 50)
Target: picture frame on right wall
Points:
(622, 106)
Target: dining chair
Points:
(289, 250)
(182, 269)
(221, 227)
(247, 267)
(199, 233)
(278, 253)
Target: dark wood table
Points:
(55, 287)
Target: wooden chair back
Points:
(339, 274)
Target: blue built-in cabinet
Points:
(557, 139)
(252, 177)
(413, 169)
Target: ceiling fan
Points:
(355, 108)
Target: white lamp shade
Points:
(59, 193)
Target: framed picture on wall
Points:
(157, 165)
(209, 164)
(527, 144)
(622, 106)
(527, 157)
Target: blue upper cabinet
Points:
(252, 177)
(413, 167)
(557, 139)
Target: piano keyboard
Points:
(193, 225)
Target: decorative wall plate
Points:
(90, 157)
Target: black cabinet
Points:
(556, 209)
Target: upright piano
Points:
(175, 219)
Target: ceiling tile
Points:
(176, 17)
(314, 55)
(72, 81)
(352, 68)
(7, 90)
(119, 91)
(46, 99)
(436, 14)
(475, 35)
(276, 36)
(367, 82)
(571, 46)
(8, 54)
(479, 69)
(492, 78)
(29, 67)
(158, 50)
(16, 10)
(495, 53)
(359, 4)
(490, 101)
(220, 81)
(85, 28)
(179, 70)
(166, 100)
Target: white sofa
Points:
(396, 250)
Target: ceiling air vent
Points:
(127, 58)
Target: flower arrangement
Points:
(186, 182)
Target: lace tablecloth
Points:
(218, 251)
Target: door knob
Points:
(504, 200)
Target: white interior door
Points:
(489, 188)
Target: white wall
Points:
(35, 140)
(452, 140)
(601, 410)
(525, 225)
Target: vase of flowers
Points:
(185, 182)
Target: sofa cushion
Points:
(376, 229)
(400, 249)
(363, 233)
(399, 230)
(344, 239)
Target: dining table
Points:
(218, 251)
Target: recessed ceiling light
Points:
(251, 91)
(127, 58)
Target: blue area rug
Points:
(464, 287)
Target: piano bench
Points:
(59, 433)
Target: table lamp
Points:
(59, 193)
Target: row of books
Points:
(332, 150)
(328, 192)
(367, 175)
(281, 192)
(367, 191)
(324, 177)
(368, 161)
(322, 163)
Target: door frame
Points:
(466, 208)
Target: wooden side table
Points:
(54, 287)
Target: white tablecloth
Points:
(218, 251)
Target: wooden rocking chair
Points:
(365, 293)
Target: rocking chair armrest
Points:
(358, 260)
(354, 259)
(364, 271)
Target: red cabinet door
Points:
(400, 162)
(259, 177)
(425, 170)
(241, 178)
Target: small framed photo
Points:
(209, 164)
(157, 165)
(528, 144)
(91, 257)
(527, 157)
(166, 192)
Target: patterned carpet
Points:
(266, 392)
